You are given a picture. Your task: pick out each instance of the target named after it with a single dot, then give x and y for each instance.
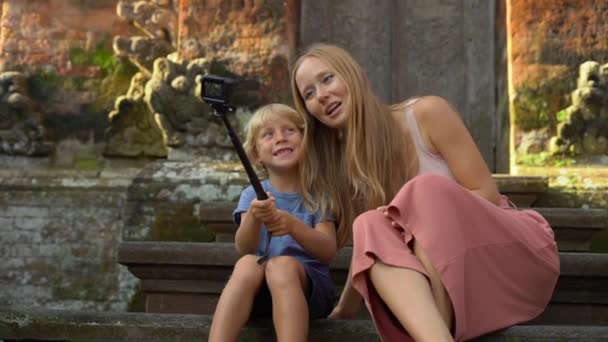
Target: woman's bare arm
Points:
(446, 134)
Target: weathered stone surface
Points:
(413, 48)
(61, 228)
(551, 40)
(583, 126)
(59, 241)
(21, 131)
(157, 21)
(85, 326)
(32, 36)
(192, 275)
(574, 228)
(133, 132)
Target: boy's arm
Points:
(320, 242)
(247, 235)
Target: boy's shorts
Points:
(320, 297)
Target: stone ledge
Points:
(47, 325)
(188, 278)
(524, 191)
(224, 254)
(574, 228)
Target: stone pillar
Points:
(418, 47)
(363, 27)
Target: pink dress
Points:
(499, 265)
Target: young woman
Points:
(438, 253)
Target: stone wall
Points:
(60, 230)
(420, 47)
(64, 49)
(41, 33)
(59, 235)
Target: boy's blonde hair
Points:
(366, 167)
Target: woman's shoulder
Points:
(430, 108)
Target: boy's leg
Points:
(234, 306)
(288, 284)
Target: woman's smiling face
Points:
(324, 93)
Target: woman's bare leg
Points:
(439, 292)
(408, 295)
(287, 281)
(235, 303)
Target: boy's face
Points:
(279, 145)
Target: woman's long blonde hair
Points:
(366, 167)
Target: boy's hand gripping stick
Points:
(215, 92)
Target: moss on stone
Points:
(544, 159)
(84, 163)
(116, 72)
(536, 105)
(177, 223)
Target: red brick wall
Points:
(251, 35)
(40, 33)
(554, 34)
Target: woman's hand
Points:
(384, 210)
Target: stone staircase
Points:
(181, 283)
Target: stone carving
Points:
(157, 21)
(173, 95)
(583, 127)
(168, 88)
(133, 131)
(20, 130)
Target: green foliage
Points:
(101, 57)
(116, 73)
(562, 116)
(115, 78)
(115, 84)
(544, 159)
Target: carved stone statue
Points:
(171, 92)
(20, 130)
(173, 95)
(156, 20)
(583, 127)
(133, 132)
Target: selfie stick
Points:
(220, 110)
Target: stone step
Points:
(574, 228)
(58, 325)
(524, 191)
(188, 278)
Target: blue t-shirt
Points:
(293, 203)
(322, 295)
